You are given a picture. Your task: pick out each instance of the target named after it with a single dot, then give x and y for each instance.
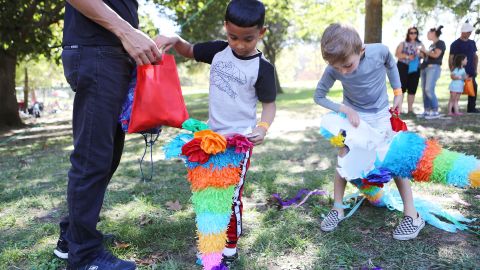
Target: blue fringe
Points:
(405, 151)
(463, 166)
(429, 211)
(173, 149)
(325, 133)
(226, 159)
(211, 223)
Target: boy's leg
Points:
(235, 228)
(412, 223)
(405, 191)
(330, 222)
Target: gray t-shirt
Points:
(364, 89)
(236, 85)
(437, 61)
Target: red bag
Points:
(158, 99)
(397, 123)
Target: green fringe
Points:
(213, 200)
(442, 164)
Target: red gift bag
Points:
(397, 123)
(158, 99)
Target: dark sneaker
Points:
(106, 261)
(228, 260)
(473, 111)
(61, 250)
(330, 222)
(408, 228)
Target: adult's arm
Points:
(450, 61)
(137, 44)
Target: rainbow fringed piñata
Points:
(213, 163)
(405, 155)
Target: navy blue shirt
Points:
(468, 48)
(80, 30)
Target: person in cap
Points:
(464, 45)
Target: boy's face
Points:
(243, 40)
(350, 65)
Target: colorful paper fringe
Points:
(425, 164)
(214, 169)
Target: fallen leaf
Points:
(457, 198)
(175, 206)
(145, 220)
(121, 245)
(365, 231)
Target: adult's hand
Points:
(140, 47)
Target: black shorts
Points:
(409, 81)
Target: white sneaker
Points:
(408, 228)
(330, 222)
(432, 115)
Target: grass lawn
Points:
(34, 162)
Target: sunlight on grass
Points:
(33, 180)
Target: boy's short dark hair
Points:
(245, 13)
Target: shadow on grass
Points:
(32, 201)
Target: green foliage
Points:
(459, 8)
(30, 27)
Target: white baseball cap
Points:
(466, 27)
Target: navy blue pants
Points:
(472, 101)
(99, 75)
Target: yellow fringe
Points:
(475, 179)
(211, 243)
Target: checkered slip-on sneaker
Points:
(408, 228)
(330, 222)
(229, 260)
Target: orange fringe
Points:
(374, 198)
(202, 178)
(425, 164)
(475, 179)
(212, 142)
(211, 243)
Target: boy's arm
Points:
(323, 87)
(181, 46)
(137, 44)
(268, 114)
(394, 78)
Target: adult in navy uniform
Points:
(466, 46)
(101, 45)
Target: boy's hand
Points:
(352, 115)
(396, 102)
(257, 136)
(166, 43)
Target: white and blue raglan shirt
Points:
(236, 85)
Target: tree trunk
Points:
(25, 92)
(277, 82)
(373, 21)
(8, 99)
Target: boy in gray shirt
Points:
(361, 69)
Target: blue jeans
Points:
(430, 75)
(99, 76)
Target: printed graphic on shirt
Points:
(224, 74)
